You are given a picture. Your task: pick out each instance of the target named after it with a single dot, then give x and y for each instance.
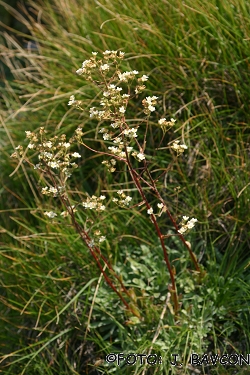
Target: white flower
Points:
(150, 211)
(50, 214)
(113, 149)
(76, 155)
(128, 199)
(94, 53)
(178, 148)
(106, 136)
(48, 144)
(182, 230)
(191, 223)
(102, 238)
(66, 144)
(102, 197)
(151, 99)
(93, 112)
(31, 145)
(72, 98)
(124, 77)
(175, 145)
(48, 155)
(118, 140)
(159, 205)
(130, 132)
(44, 190)
(140, 156)
(79, 132)
(151, 108)
(79, 72)
(86, 63)
(104, 67)
(53, 164)
(53, 190)
(144, 78)
(122, 109)
(161, 121)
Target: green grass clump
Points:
(58, 316)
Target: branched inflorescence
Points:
(58, 161)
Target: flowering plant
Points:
(57, 161)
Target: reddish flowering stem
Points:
(85, 237)
(166, 258)
(154, 188)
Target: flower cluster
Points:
(130, 133)
(18, 152)
(124, 200)
(165, 124)
(95, 203)
(121, 137)
(74, 102)
(98, 236)
(87, 66)
(178, 148)
(149, 104)
(187, 224)
(90, 65)
(110, 165)
(112, 55)
(126, 76)
(138, 155)
(50, 214)
(161, 207)
(53, 153)
(53, 191)
(150, 211)
(118, 151)
(114, 103)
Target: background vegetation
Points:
(57, 315)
